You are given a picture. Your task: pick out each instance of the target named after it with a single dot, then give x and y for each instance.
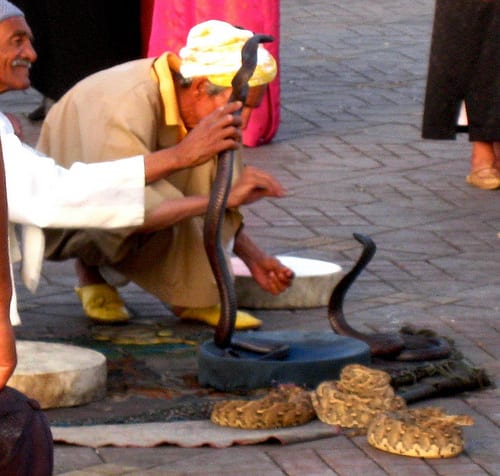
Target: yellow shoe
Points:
(102, 303)
(211, 315)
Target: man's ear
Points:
(199, 86)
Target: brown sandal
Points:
(486, 179)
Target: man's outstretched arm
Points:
(269, 273)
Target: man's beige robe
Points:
(127, 110)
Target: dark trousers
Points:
(464, 65)
(26, 445)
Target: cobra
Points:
(396, 346)
(223, 336)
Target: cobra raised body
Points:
(398, 346)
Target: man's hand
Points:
(271, 275)
(215, 133)
(253, 185)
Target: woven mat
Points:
(154, 398)
(149, 384)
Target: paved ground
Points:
(350, 153)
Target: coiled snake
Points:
(363, 401)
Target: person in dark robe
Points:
(76, 38)
(464, 68)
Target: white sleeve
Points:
(100, 195)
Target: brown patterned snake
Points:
(286, 405)
(421, 432)
(356, 398)
(362, 399)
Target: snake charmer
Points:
(133, 109)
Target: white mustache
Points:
(21, 62)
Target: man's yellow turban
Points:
(213, 49)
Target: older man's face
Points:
(16, 54)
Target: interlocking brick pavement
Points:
(349, 152)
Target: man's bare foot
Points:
(484, 169)
(483, 156)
